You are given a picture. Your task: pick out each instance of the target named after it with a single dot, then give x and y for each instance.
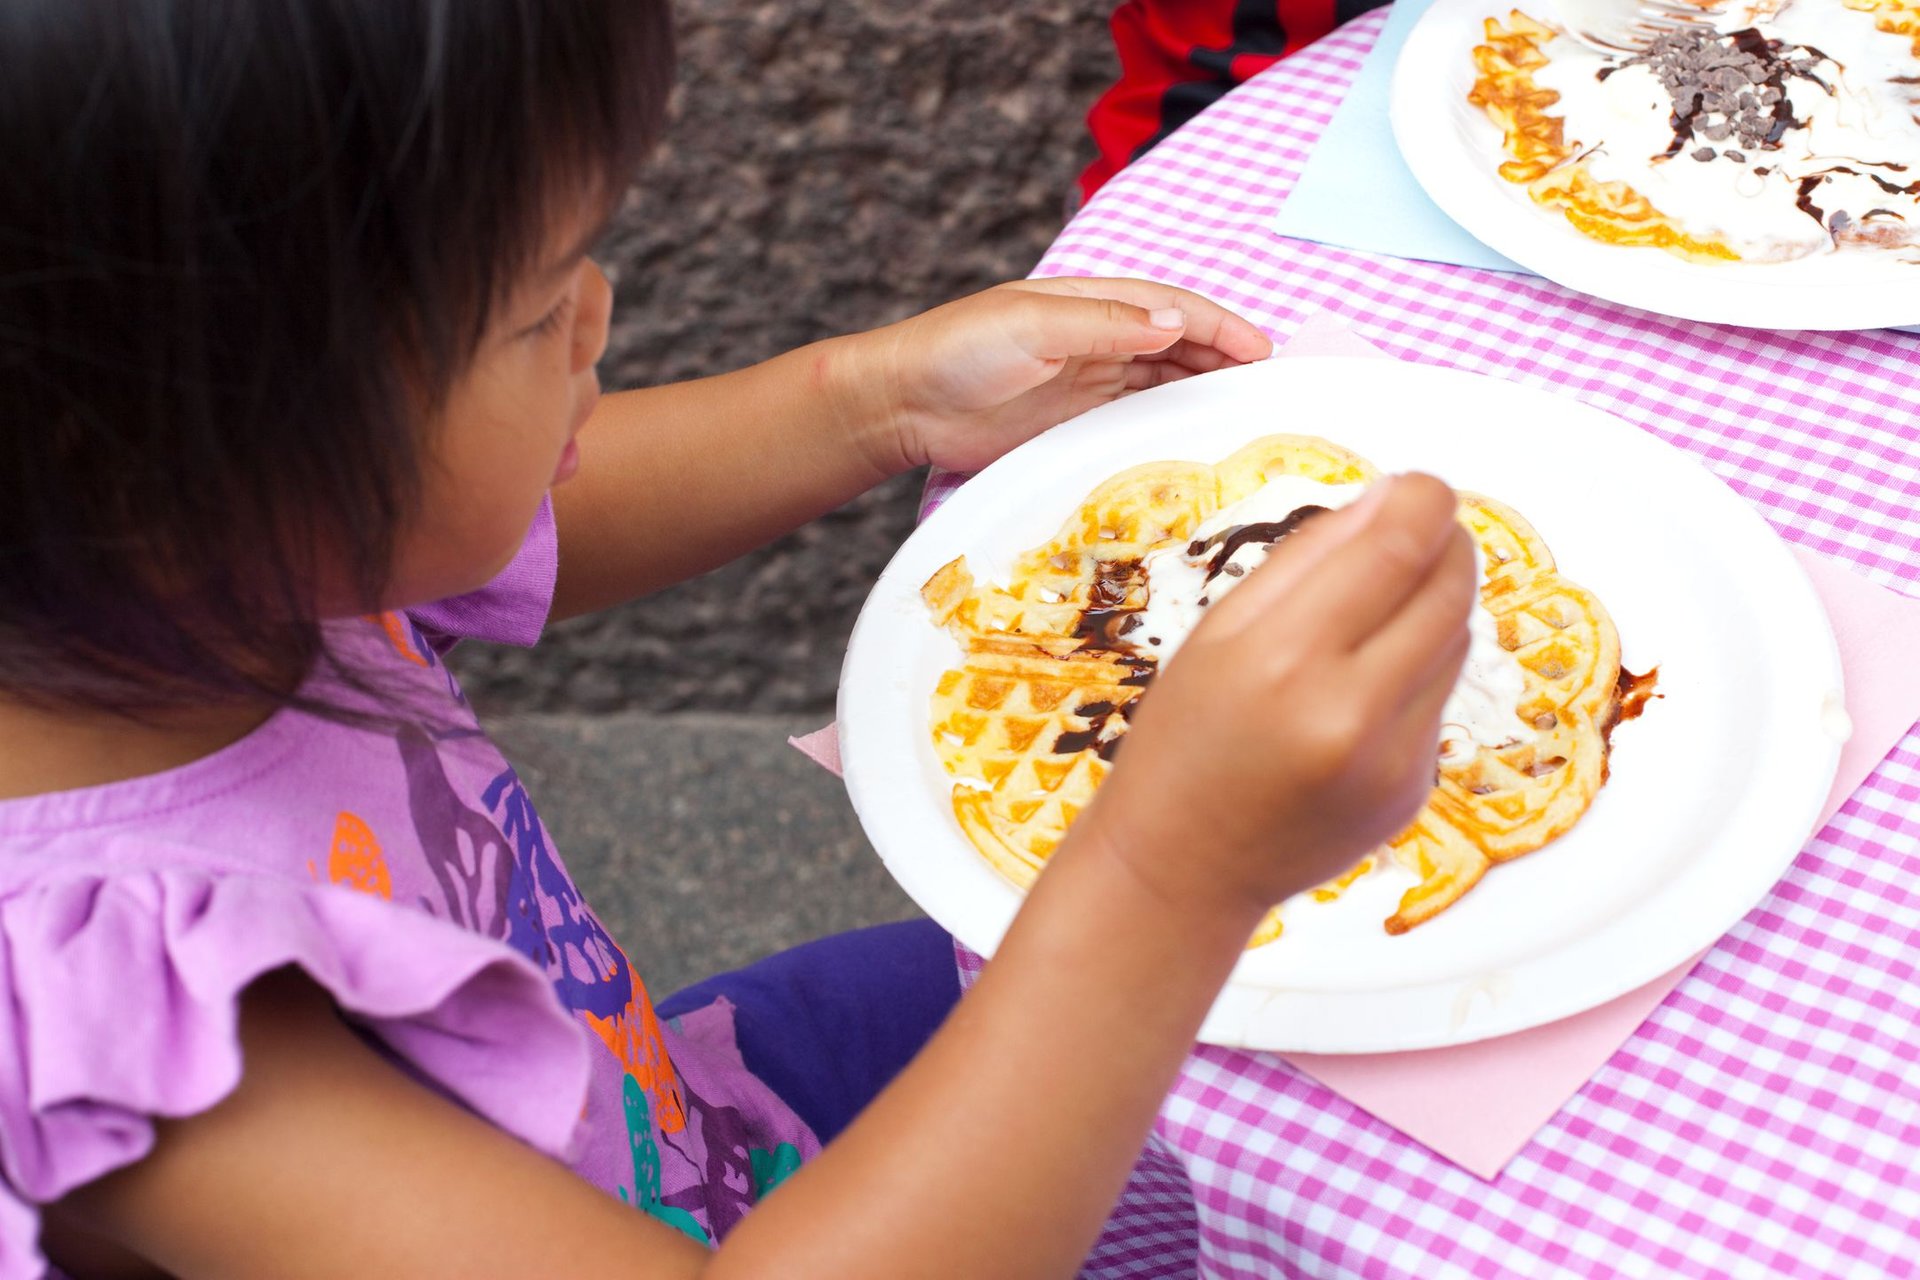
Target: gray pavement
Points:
(831, 165)
(703, 841)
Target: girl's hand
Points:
(960, 385)
(1297, 728)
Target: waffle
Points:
(1003, 714)
(1093, 563)
(1540, 159)
(1029, 722)
(1895, 17)
(1035, 667)
(1502, 802)
(1831, 157)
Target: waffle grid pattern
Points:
(1764, 1120)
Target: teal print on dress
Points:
(646, 1164)
(771, 1168)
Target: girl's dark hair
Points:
(246, 246)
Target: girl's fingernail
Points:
(1376, 494)
(1167, 318)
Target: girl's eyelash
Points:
(554, 319)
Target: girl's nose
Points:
(592, 318)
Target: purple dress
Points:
(401, 865)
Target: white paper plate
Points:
(1453, 149)
(1713, 790)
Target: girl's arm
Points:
(680, 479)
(677, 480)
(1295, 732)
(998, 1153)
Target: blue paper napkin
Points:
(1356, 192)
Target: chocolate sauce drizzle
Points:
(1229, 541)
(1109, 617)
(1100, 734)
(1631, 693)
(1814, 181)
(1730, 86)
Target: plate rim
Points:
(1545, 245)
(1264, 1017)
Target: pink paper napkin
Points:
(822, 746)
(1478, 1104)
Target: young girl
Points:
(296, 335)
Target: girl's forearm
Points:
(677, 480)
(997, 1153)
(1000, 1150)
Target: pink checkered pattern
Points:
(1766, 1118)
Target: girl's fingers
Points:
(1402, 532)
(1192, 357)
(1142, 374)
(1145, 372)
(1427, 680)
(1405, 650)
(1053, 327)
(1269, 588)
(1415, 725)
(1208, 323)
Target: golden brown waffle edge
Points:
(1029, 683)
(1540, 158)
(1895, 17)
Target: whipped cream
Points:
(1839, 175)
(1178, 586)
(1483, 709)
(1183, 582)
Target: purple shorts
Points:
(828, 1024)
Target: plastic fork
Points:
(1629, 26)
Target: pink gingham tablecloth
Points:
(1766, 1118)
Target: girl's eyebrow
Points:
(567, 261)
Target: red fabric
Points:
(1177, 56)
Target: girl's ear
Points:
(593, 317)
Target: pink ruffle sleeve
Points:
(119, 1002)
